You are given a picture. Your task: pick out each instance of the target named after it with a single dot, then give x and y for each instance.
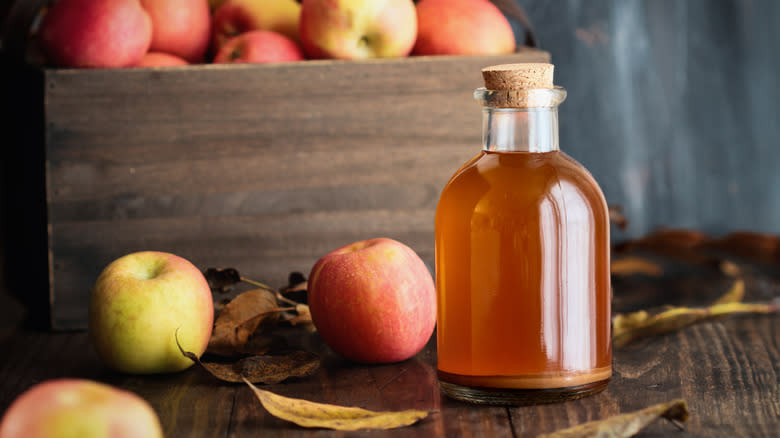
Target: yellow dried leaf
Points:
(734, 295)
(627, 327)
(310, 414)
(635, 265)
(626, 425)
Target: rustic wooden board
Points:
(726, 369)
(263, 168)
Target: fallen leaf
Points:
(259, 369)
(221, 280)
(295, 282)
(666, 240)
(730, 268)
(734, 295)
(239, 319)
(265, 369)
(627, 327)
(749, 244)
(274, 369)
(302, 316)
(310, 414)
(626, 425)
(262, 343)
(635, 265)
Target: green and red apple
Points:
(234, 17)
(259, 46)
(357, 29)
(373, 301)
(141, 303)
(180, 27)
(67, 408)
(95, 33)
(462, 27)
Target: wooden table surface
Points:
(727, 370)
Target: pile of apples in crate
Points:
(127, 33)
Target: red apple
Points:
(180, 27)
(462, 27)
(373, 301)
(159, 59)
(95, 33)
(259, 46)
(357, 29)
(234, 17)
(141, 304)
(65, 408)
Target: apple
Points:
(180, 27)
(95, 33)
(234, 17)
(159, 59)
(259, 46)
(462, 27)
(63, 408)
(357, 29)
(373, 301)
(140, 303)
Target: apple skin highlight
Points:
(373, 301)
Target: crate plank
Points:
(260, 167)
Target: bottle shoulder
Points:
(525, 179)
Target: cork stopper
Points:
(520, 86)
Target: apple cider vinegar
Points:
(522, 257)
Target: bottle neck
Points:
(520, 129)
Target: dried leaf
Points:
(627, 327)
(303, 315)
(239, 319)
(695, 245)
(274, 369)
(626, 425)
(635, 265)
(296, 288)
(266, 369)
(730, 268)
(666, 240)
(260, 369)
(262, 343)
(310, 414)
(295, 281)
(221, 280)
(748, 243)
(734, 295)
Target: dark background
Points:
(673, 106)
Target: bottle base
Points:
(519, 397)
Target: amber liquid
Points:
(522, 273)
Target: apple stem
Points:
(279, 296)
(258, 284)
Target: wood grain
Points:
(726, 370)
(263, 168)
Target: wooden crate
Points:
(262, 168)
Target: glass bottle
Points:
(522, 257)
